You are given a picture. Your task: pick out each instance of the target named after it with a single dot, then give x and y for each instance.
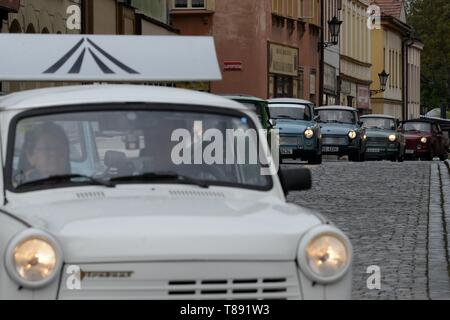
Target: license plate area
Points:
(330, 149)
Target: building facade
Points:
(413, 75)
(395, 51)
(134, 17)
(265, 48)
(40, 16)
(356, 56)
(331, 65)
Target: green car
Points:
(259, 106)
(384, 141)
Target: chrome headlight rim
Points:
(352, 134)
(392, 138)
(302, 259)
(21, 238)
(308, 133)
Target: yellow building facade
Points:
(388, 55)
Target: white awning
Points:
(37, 57)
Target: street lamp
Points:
(334, 26)
(383, 82)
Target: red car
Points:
(424, 140)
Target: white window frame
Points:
(189, 5)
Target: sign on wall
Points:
(283, 60)
(10, 5)
(363, 97)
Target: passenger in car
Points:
(45, 153)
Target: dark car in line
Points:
(342, 132)
(384, 140)
(425, 140)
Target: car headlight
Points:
(424, 140)
(309, 133)
(33, 259)
(365, 137)
(392, 138)
(325, 254)
(352, 134)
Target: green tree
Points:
(430, 20)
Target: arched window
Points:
(15, 27)
(45, 30)
(31, 29)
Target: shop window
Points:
(190, 4)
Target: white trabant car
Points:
(105, 192)
(89, 186)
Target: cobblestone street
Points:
(384, 208)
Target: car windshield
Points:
(417, 126)
(101, 147)
(293, 111)
(337, 116)
(378, 123)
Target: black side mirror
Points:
(360, 123)
(295, 179)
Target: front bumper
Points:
(417, 150)
(382, 151)
(201, 281)
(298, 147)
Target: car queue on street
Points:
(307, 133)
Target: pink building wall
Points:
(242, 31)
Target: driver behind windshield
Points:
(45, 153)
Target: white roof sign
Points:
(31, 57)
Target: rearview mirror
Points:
(298, 179)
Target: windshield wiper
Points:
(161, 176)
(67, 178)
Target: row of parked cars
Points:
(307, 133)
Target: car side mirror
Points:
(298, 179)
(317, 118)
(360, 123)
(272, 122)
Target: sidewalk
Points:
(439, 232)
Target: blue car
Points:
(299, 131)
(342, 132)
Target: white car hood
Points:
(163, 229)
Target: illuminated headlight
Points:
(392, 138)
(309, 133)
(325, 254)
(33, 259)
(365, 137)
(352, 134)
(424, 140)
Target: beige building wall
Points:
(355, 68)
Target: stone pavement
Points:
(385, 209)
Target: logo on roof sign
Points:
(92, 48)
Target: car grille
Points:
(289, 141)
(334, 140)
(188, 281)
(376, 140)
